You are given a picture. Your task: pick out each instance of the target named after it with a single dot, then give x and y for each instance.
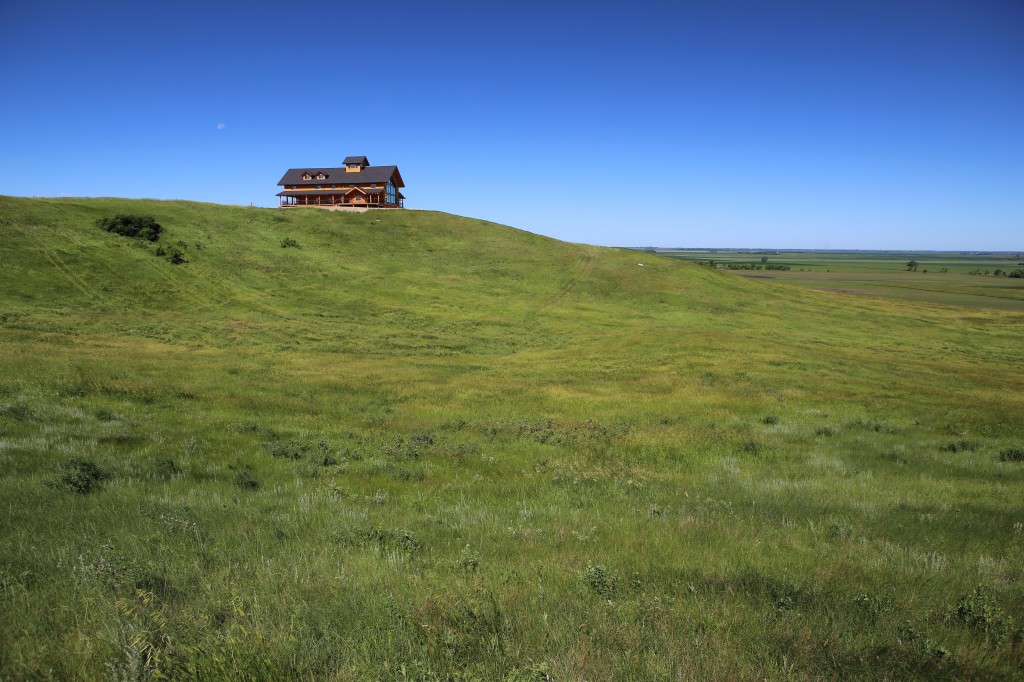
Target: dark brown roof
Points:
(361, 160)
(338, 176)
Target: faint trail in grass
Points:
(62, 267)
(587, 269)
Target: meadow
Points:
(406, 445)
(975, 279)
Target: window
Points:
(307, 176)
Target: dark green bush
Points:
(166, 468)
(287, 449)
(289, 243)
(979, 610)
(962, 446)
(1015, 454)
(245, 481)
(138, 226)
(78, 475)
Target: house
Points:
(356, 185)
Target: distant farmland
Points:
(948, 277)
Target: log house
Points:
(356, 185)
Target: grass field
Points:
(417, 446)
(954, 278)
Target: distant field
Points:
(955, 278)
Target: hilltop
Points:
(351, 445)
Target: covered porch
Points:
(355, 196)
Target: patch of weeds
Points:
(400, 473)
(165, 468)
(567, 434)
(871, 425)
(178, 521)
(17, 411)
(177, 257)
(286, 449)
(81, 476)
(421, 438)
(826, 431)
(105, 415)
(243, 477)
(412, 446)
(289, 243)
(770, 419)
(460, 450)
(469, 560)
(926, 647)
(872, 606)
(962, 446)
(750, 446)
(401, 540)
(601, 580)
(840, 529)
(244, 480)
(1013, 454)
(325, 454)
(979, 611)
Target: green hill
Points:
(409, 445)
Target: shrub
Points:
(165, 468)
(289, 243)
(287, 449)
(80, 476)
(770, 419)
(1014, 454)
(962, 446)
(138, 226)
(601, 580)
(105, 415)
(979, 611)
(244, 480)
(177, 257)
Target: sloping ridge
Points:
(305, 273)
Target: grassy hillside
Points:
(418, 446)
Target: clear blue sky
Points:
(816, 124)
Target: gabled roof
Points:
(361, 160)
(367, 176)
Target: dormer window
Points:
(307, 176)
(321, 176)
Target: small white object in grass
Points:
(640, 264)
